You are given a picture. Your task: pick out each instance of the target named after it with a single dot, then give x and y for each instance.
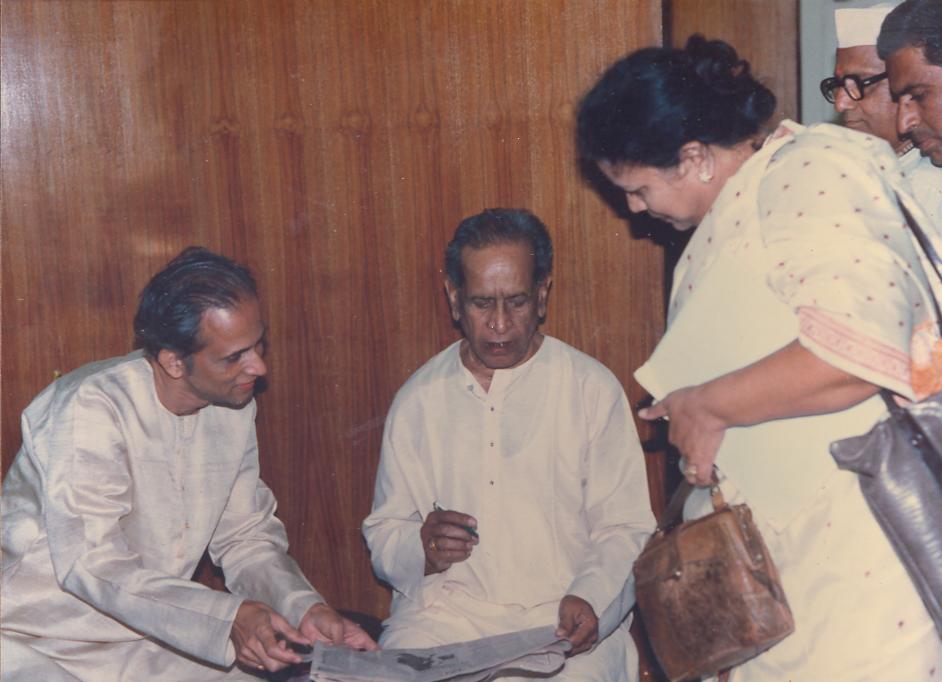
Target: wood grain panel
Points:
(765, 32)
(333, 146)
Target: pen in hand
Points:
(468, 529)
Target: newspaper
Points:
(538, 651)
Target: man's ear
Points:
(542, 295)
(453, 302)
(171, 362)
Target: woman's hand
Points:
(694, 429)
(791, 382)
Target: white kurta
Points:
(926, 182)
(548, 462)
(812, 220)
(108, 508)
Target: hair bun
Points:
(719, 66)
(649, 104)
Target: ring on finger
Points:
(431, 545)
(690, 470)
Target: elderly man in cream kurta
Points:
(529, 448)
(861, 95)
(132, 468)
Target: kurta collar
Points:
(503, 379)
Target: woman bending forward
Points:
(798, 296)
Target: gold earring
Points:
(705, 176)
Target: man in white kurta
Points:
(111, 503)
(542, 457)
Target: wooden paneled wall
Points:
(764, 32)
(333, 146)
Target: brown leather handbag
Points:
(707, 590)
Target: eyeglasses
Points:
(852, 83)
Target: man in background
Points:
(511, 491)
(911, 43)
(131, 468)
(861, 95)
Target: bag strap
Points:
(935, 261)
(672, 515)
(931, 255)
(918, 437)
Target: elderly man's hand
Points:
(261, 636)
(446, 540)
(322, 623)
(577, 623)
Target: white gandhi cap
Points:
(860, 25)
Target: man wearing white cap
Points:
(861, 95)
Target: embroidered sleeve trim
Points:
(857, 348)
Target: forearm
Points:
(251, 546)
(396, 551)
(791, 382)
(605, 580)
(393, 528)
(617, 509)
(184, 614)
(273, 578)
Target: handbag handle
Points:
(672, 514)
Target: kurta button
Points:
(492, 443)
(492, 408)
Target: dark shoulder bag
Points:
(899, 465)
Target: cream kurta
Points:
(926, 182)
(108, 508)
(812, 221)
(548, 462)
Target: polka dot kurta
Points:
(813, 220)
